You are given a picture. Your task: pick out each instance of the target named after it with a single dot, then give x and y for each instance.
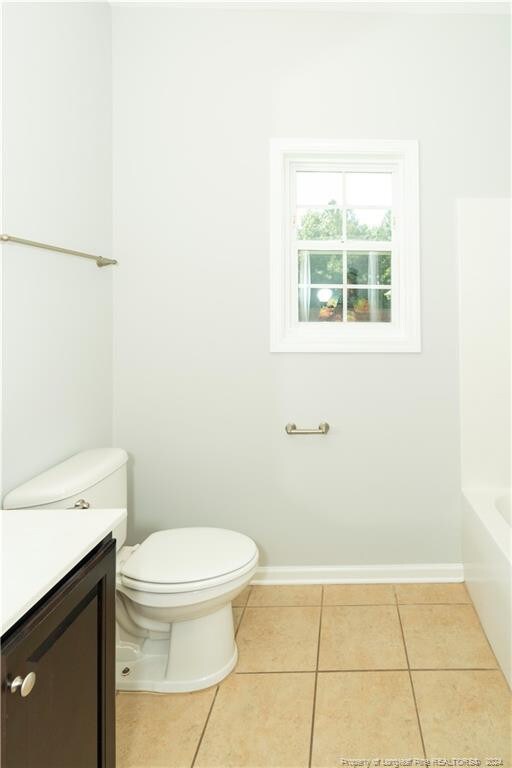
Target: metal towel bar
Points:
(101, 261)
(292, 429)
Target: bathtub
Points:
(486, 553)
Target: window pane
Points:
(368, 305)
(372, 267)
(318, 224)
(318, 188)
(320, 267)
(368, 189)
(369, 224)
(320, 304)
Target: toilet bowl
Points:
(174, 622)
(174, 616)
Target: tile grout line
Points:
(366, 670)
(282, 605)
(405, 605)
(316, 682)
(410, 677)
(343, 605)
(204, 729)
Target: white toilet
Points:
(174, 591)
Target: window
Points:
(344, 246)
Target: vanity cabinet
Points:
(58, 673)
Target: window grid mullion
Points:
(343, 209)
(344, 240)
(345, 289)
(381, 246)
(350, 286)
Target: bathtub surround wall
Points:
(57, 310)
(200, 402)
(483, 248)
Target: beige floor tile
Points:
(241, 599)
(445, 637)
(364, 715)
(465, 714)
(432, 593)
(260, 721)
(278, 639)
(286, 595)
(237, 615)
(361, 637)
(160, 730)
(359, 594)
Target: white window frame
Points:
(402, 333)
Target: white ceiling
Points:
(346, 6)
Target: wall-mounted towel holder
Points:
(292, 429)
(101, 261)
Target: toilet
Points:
(174, 620)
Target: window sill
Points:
(372, 338)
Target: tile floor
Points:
(334, 673)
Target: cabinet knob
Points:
(23, 684)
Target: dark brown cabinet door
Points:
(68, 641)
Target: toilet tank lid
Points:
(68, 478)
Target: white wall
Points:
(483, 245)
(200, 403)
(57, 383)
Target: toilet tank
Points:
(97, 476)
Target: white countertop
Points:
(40, 546)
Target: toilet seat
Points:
(188, 560)
(150, 587)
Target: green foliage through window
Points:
(326, 224)
(321, 225)
(357, 230)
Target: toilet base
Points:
(197, 654)
(148, 674)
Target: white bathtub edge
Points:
(483, 502)
(488, 570)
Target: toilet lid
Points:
(182, 555)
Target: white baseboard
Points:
(359, 574)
